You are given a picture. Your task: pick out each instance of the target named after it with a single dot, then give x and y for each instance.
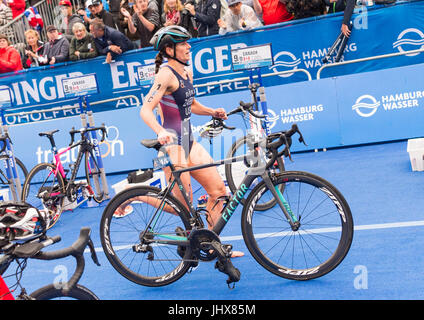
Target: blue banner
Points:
(376, 106)
(300, 44)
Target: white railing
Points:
(383, 56)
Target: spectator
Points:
(206, 13)
(69, 18)
(144, 21)
(82, 45)
(83, 13)
(114, 8)
(274, 11)
(57, 49)
(255, 5)
(10, 59)
(238, 17)
(34, 49)
(304, 9)
(172, 12)
(188, 22)
(342, 5)
(109, 41)
(104, 15)
(129, 6)
(17, 6)
(6, 16)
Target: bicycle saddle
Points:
(151, 143)
(48, 133)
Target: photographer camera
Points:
(187, 20)
(206, 14)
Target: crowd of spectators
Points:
(91, 30)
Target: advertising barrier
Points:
(355, 109)
(299, 44)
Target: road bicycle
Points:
(21, 252)
(305, 236)
(15, 172)
(47, 185)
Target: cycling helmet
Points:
(21, 221)
(212, 128)
(170, 35)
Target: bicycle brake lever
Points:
(93, 252)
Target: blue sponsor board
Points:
(41, 88)
(370, 107)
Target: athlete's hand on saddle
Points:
(165, 137)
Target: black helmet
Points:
(169, 35)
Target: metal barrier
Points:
(367, 59)
(23, 113)
(51, 15)
(214, 83)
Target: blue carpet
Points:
(384, 262)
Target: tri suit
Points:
(176, 111)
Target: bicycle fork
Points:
(282, 202)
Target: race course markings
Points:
(419, 223)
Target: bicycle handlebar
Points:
(33, 250)
(282, 137)
(245, 106)
(85, 130)
(3, 139)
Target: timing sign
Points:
(80, 85)
(5, 98)
(252, 57)
(146, 74)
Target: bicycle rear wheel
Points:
(45, 191)
(323, 238)
(94, 179)
(130, 247)
(236, 171)
(50, 292)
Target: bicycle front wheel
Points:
(45, 191)
(319, 244)
(50, 292)
(130, 225)
(21, 171)
(94, 179)
(236, 171)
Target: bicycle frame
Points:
(59, 167)
(10, 162)
(5, 293)
(87, 121)
(229, 209)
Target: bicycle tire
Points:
(37, 179)
(119, 235)
(234, 178)
(50, 292)
(22, 170)
(325, 207)
(93, 177)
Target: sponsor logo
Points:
(284, 61)
(409, 39)
(366, 106)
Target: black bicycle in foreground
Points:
(21, 252)
(305, 235)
